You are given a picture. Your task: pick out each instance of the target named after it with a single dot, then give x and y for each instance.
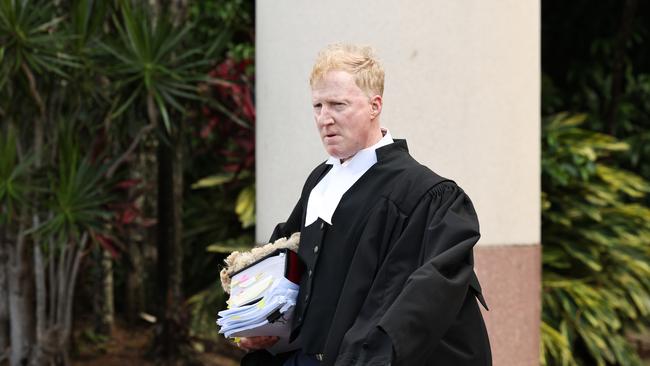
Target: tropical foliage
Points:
(232, 185)
(596, 60)
(104, 107)
(596, 257)
(595, 169)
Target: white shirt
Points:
(326, 195)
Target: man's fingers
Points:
(255, 343)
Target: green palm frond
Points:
(152, 57)
(30, 39)
(15, 184)
(78, 192)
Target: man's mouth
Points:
(330, 138)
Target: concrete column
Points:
(462, 86)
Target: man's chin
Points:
(333, 152)
(337, 153)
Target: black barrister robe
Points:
(392, 280)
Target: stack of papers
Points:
(261, 302)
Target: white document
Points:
(251, 283)
(261, 303)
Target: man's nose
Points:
(324, 117)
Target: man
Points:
(385, 242)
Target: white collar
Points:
(326, 195)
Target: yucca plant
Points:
(33, 56)
(155, 61)
(14, 185)
(596, 252)
(28, 43)
(155, 69)
(14, 190)
(76, 205)
(30, 47)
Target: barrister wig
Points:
(239, 260)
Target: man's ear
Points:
(376, 103)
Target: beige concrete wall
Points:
(462, 86)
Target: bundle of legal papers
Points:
(262, 298)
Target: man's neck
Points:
(376, 138)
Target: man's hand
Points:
(255, 343)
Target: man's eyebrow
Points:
(336, 100)
(330, 100)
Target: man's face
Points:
(345, 116)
